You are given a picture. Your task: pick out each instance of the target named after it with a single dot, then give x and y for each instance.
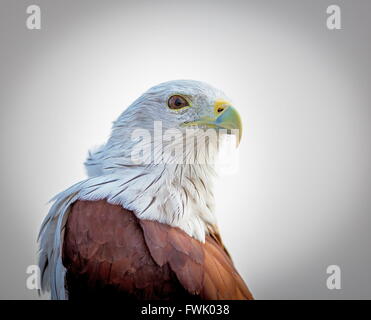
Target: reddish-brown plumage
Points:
(110, 253)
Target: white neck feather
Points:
(180, 195)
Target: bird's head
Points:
(178, 105)
(184, 103)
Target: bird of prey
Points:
(143, 226)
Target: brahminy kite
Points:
(143, 226)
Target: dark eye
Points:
(177, 102)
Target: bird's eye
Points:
(177, 102)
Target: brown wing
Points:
(106, 256)
(109, 253)
(221, 280)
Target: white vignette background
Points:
(301, 199)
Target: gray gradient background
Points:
(301, 200)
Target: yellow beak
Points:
(226, 117)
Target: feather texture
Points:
(109, 252)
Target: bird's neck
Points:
(175, 193)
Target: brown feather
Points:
(109, 253)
